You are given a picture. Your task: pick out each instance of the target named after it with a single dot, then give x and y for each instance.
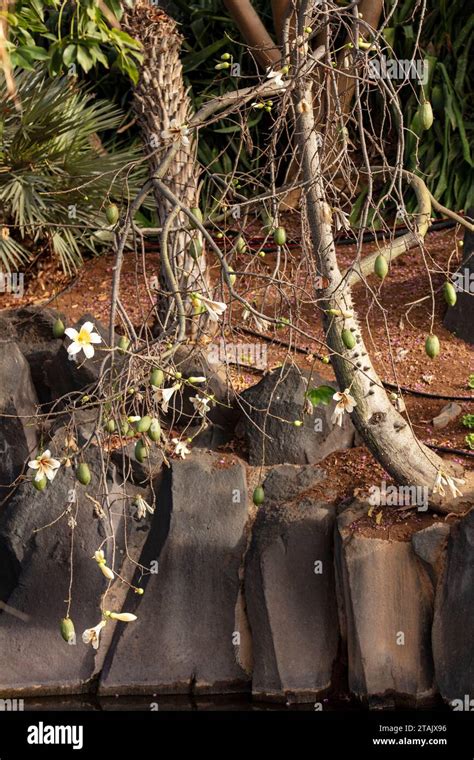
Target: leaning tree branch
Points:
(253, 31)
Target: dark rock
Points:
(459, 318)
(18, 400)
(65, 375)
(388, 603)
(453, 629)
(282, 392)
(429, 544)
(35, 580)
(138, 473)
(32, 328)
(286, 482)
(290, 598)
(184, 638)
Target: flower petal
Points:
(71, 333)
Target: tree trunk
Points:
(160, 99)
(386, 433)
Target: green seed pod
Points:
(325, 360)
(142, 425)
(123, 344)
(58, 329)
(195, 211)
(195, 249)
(110, 426)
(240, 244)
(112, 214)
(432, 346)
(258, 496)
(449, 293)
(232, 276)
(381, 266)
(124, 427)
(83, 474)
(426, 115)
(154, 431)
(40, 485)
(279, 236)
(141, 451)
(67, 630)
(348, 338)
(157, 377)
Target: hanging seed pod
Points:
(232, 276)
(449, 293)
(381, 266)
(154, 431)
(432, 346)
(124, 427)
(40, 485)
(141, 451)
(112, 214)
(348, 338)
(123, 344)
(279, 236)
(143, 425)
(83, 474)
(110, 426)
(58, 329)
(195, 211)
(258, 496)
(426, 115)
(195, 249)
(240, 244)
(157, 377)
(67, 630)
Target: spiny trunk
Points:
(159, 98)
(386, 433)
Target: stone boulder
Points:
(453, 629)
(186, 637)
(32, 328)
(18, 402)
(271, 407)
(388, 608)
(35, 550)
(290, 589)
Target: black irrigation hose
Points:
(447, 450)
(391, 386)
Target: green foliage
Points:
(53, 183)
(470, 440)
(321, 395)
(468, 420)
(66, 34)
(443, 154)
(470, 381)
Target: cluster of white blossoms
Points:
(92, 635)
(442, 479)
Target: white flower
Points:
(142, 507)
(180, 448)
(163, 396)
(345, 403)
(124, 617)
(99, 557)
(91, 635)
(446, 480)
(201, 404)
(46, 465)
(176, 130)
(277, 77)
(83, 340)
(215, 309)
